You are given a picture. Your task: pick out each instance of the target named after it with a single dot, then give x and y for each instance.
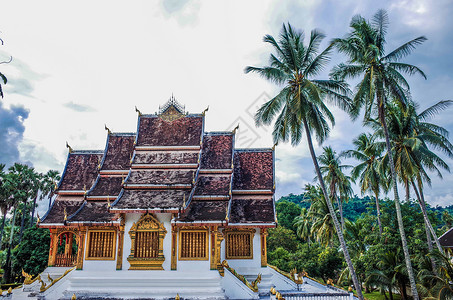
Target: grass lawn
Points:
(377, 296)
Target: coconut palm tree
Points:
(333, 172)
(4, 199)
(368, 153)
(299, 107)
(382, 80)
(303, 224)
(411, 138)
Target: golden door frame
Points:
(147, 222)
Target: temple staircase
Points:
(139, 284)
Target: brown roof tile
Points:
(166, 157)
(154, 131)
(253, 170)
(160, 177)
(213, 184)
(56, 213)
(94, 211)
(106, 186)
(217, 151)
(80, 171)
(252, 211)
(205, 211)
(119, 151)
(151, 199)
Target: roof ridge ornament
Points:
(138, 111)
(69, 147)
(204, 111)
(235, 129)
(171, 110)
(108, 130)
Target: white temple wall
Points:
(245, 266)
(131, 218)
(98, 265)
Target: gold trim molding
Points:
(147, 223)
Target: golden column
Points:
(53, 247)
(174, 244)
(219, 239)
(213, 264)
(81, 246)
(263, 235)
(119, 256)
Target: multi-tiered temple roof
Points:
(169, 165)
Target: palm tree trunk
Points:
(7, 275)
(399, 216)
(422, 204)
(33, 210)
(340, 208)
(22, 223)
(347, 257)
(378, 213)
(3, 226)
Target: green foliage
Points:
(33, 252)
(286, 212)
(282, 237)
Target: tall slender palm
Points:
(50, 182)
(20, 179)
(411, 137)
(303, 224)
(381, 80)
(300, 106)
(368, 153)
(2, 76)
(4, 199)
(339, 182)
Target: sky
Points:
(79, 65)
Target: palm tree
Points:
(332, 170)
(410, 138)
(300, 106)
(381, 80)
(303, 224)
(2, 76)
(4, 199)
(50, 182)
(368, 153)
(20, 180)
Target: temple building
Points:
(170, 211)
(171, 196)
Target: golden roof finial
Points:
(122, 179)
(65, 214)
(139, 112)
(73, 297)
(85, 189)
(226, 216)
(108, 201)
(38, 219)
(273, 147)
(235, 129)
(69, 147)
(204, 111)
(184, 199)
(177, 297)
(108, 130)
(55, 186)
(10, 290)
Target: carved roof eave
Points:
(251, 224)
(167, 148)
(200, 223)
(145, 210)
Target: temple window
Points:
(147, 236)
(146, 244)
(101, 245)
(193, 244)
(239, 243)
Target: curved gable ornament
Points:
(148, 235)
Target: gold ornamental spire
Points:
(69, 147)
(138, 111)
(108, 130)
(65, 214)
(235, 129)
(204, 111)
